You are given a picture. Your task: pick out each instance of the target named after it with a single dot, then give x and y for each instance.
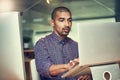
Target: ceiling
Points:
(81, 9)
(39, 10)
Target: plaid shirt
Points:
(53, 50)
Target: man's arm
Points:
(60, 68)
(57, 69)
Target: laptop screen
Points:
(99, 43)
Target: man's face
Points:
(62, 23)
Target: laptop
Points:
(99, 44)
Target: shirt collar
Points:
(58, 39)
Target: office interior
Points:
(31, 21)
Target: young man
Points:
(57, 53)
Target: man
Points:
(56, 53)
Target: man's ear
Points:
(52, 22)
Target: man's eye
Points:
(61, 20)
(70, 20)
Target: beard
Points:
(65, 31)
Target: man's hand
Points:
(72, 63)
(84, 77)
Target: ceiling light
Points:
(48, 1)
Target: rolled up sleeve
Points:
(43, 62)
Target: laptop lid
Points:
(99, 43)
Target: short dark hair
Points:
(60, 9)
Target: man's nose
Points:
(66, 23)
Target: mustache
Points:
(67, 27)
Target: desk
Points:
(29, 53)
(28, 56)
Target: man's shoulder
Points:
(45, 38)
(71, 40)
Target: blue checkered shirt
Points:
(53, 50)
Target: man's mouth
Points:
(67, 30)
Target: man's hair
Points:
(59, 9)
